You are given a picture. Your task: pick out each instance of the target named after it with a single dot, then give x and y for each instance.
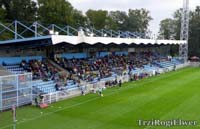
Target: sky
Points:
(159, 9)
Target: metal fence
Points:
(86, 87)
(15, 90)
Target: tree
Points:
(5, 5)
(22, 10)
(170, 27)
(2, 13)
(135, 20)
(78, 19)
(138, 20)
(194, 33)
(55, 11)
(118, 20)
(167, 29)
(97, 18)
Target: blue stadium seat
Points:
(45, 86)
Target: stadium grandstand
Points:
(100, 69)
(59, 63)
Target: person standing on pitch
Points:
(120, 83)
(174, 67)
(100, 92)
(83, 90)
(36, 102)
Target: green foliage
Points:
(6, 35)
(2, 14)
(177, 24)
(97, 18)
(78, 19)
(55, 12)
(118, 20)
(138, 20)
(22, 10)
(194, 34)
(170, 27)
(167, 28)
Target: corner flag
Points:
(14, 113)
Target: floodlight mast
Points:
(183, 49)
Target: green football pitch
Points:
(174, 95)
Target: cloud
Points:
(159, 9)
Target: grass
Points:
(173, 95)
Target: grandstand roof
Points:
(107, 40)
(43, 35)
(75, 40)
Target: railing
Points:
(20, 30)
(84, 87)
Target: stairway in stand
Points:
(64, 70)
